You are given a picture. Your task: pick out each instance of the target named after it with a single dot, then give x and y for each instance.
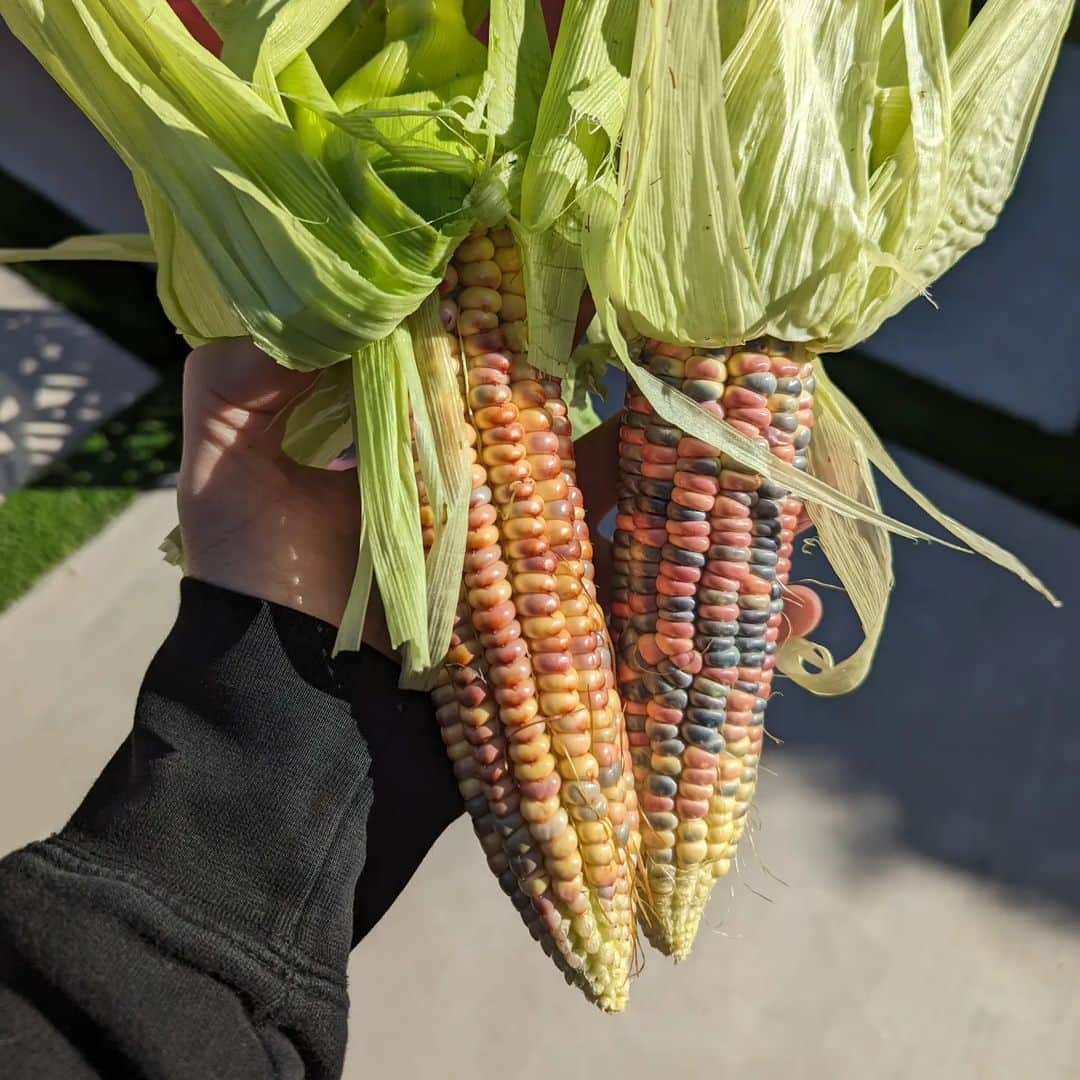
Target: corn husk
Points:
(810, 167)
(807, 167)
(317, 221)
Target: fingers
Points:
(802, 611)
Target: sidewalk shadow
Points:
(967, 722)
(60, 380)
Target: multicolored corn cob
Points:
(702, 552)
(527, 701)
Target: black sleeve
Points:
(195, 917)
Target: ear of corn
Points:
(904, 143)
(702, 553)
(295, 194)
(901, 140)
(527, 700)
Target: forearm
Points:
(195, 917)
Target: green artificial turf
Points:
(40, 526)
(43, 523)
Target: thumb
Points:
(802, 611)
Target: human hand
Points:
(256, 522)
(252, 519)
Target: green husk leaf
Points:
(519, 57)
(843, 409)
(187, 288)
(318, 429)
(823, 191)
(111, 247)
(602, 103)
(403, 129)
(860, 552)
(955, 18)
(593, 46)
(554, 284)
(274, 32)
(388, 495)
(427, 45)
(489, 203)
(350, 635)
(417, 138)
(441, 443)
(999, 75)
(913, 143)
(428, 159)
(172, 549)
(593, 50)
(301, 86)
(677, 409)
(892, 120)
(892, 70)
(680, 266)
(954, 15)
(475, 13)
(799, 134)
(350, 41)
(416, 156)
(309, 277)
(734, 14)
(579, 404)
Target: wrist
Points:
(319, 595)
(306, 592)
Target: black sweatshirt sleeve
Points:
(195, 917)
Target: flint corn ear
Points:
(702, 552)
(527, 700)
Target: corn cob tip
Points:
(674, 943)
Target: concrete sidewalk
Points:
(847, 946)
